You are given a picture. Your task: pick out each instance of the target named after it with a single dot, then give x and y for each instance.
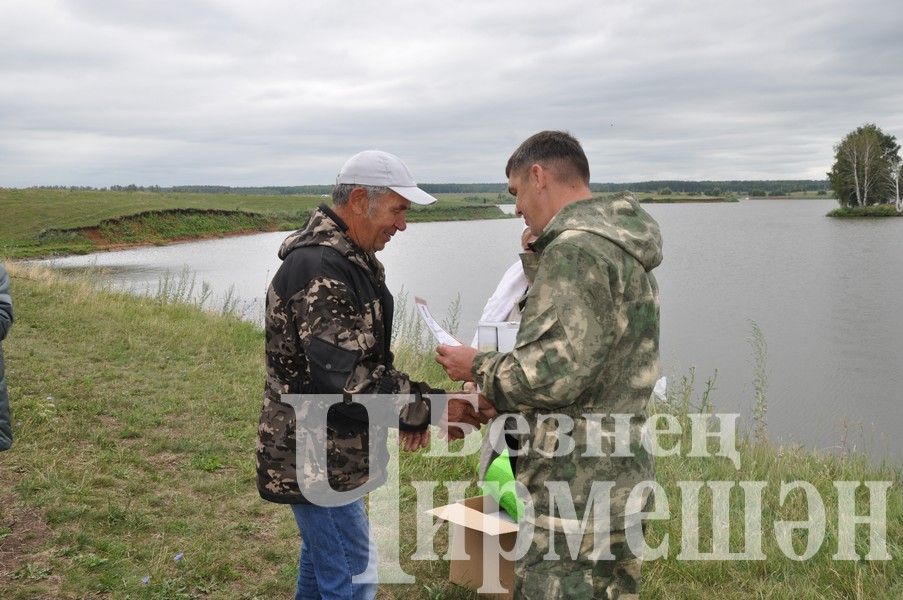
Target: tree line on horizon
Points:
(709, 188)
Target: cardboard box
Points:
(478, 533)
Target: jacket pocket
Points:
(543, 350)
(561, 584)
(532, 330)
(330, 366)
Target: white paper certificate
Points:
(441, 335)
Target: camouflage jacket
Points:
(587, 344)
(328, 331)
(6, 321)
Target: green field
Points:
(136, 418)
(42, 222)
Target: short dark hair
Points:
(557, 150)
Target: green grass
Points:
(488, 198)
(41, 222)
(136, 418)
(160, 227)
(875, 210)
(777, 576)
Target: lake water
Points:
(825, 293)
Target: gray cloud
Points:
(282, 92)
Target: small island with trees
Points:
(866, 174)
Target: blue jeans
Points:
(336, 545)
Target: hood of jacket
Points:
(326, 228)
(620, 219)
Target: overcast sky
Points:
(281, 92)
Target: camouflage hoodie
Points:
(587, 344)
(328, 331)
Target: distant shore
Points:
(684, 200)
(41, 223)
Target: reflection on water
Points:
(823, 291)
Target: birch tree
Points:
(862, 169)
(896, 173)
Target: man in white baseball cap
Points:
(328, 331)
(383, 184)
(377, 168)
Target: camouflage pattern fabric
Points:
(6, 321)
(580, 578)
(587, 344)
(328, 328)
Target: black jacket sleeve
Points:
(6, 304)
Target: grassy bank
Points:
(876, 210)
(454, 212)
(40, 222)
(136, 419)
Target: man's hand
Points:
(487, 410)
(412, 441)
(459, 412)
(457, 361)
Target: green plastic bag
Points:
(500, 472)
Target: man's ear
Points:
(538, 176)
(358, 201)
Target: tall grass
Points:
(414, 347)
(777, 576)
(136, 422)
(180, 288)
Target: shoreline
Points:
(83, 222)
(152, 226)
(874, 211)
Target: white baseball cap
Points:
(378, 168)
